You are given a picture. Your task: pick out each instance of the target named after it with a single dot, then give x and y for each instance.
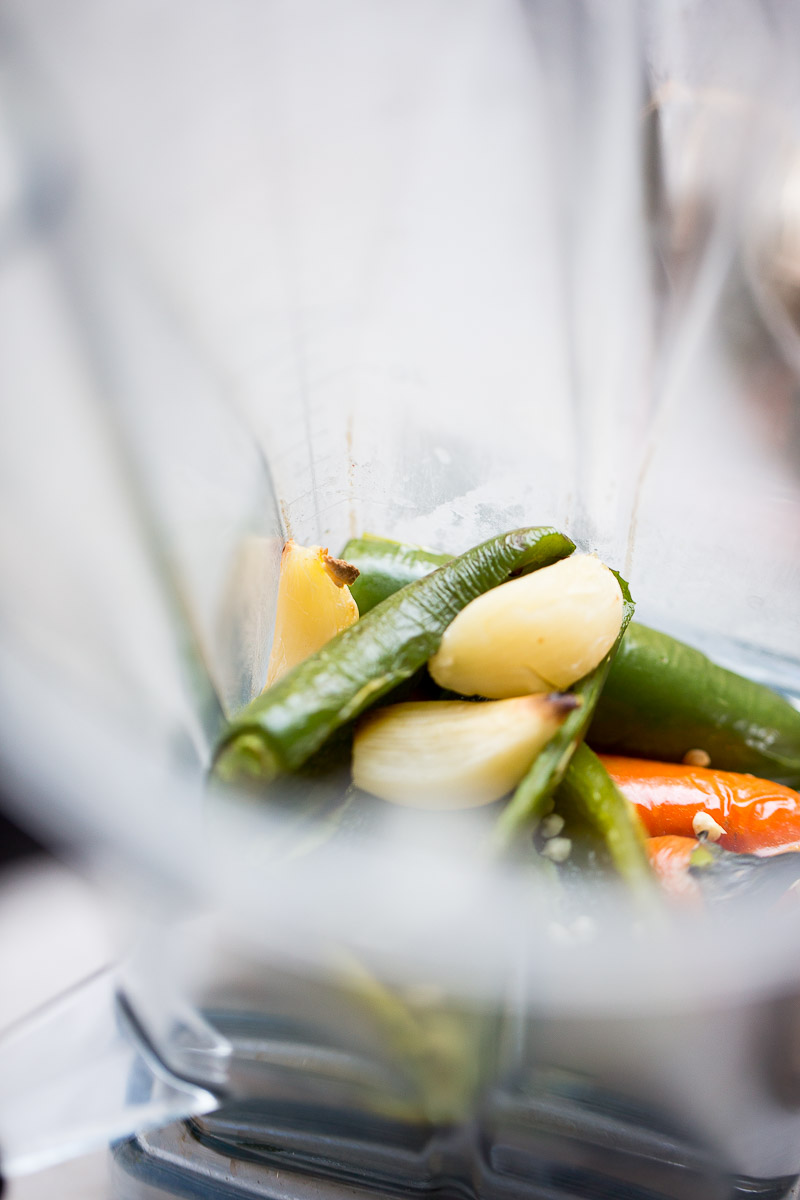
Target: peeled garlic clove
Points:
(314, 604)
(535, 634)
(453, 753)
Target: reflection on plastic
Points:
(432, 270)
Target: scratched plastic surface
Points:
(430, 270)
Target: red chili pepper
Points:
(757, 815)
(670, 858)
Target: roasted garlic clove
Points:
(539, 633)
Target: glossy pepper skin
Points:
(663, 698)
(589, 792)
(756, 814)
(529, 802)
(385, 566)
(284, 726)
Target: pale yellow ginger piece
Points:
(450, 754)
(314, 604)
(540, 633)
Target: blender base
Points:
(179, 1161)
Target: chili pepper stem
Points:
(245, 760)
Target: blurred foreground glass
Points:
(433, 270)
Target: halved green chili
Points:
(663, 698)
(285, 725)
(385, 567)
(530, 801)
(588, 792)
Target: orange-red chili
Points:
(757, 815)
(670, 857)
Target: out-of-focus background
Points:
(54, 931)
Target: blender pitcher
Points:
(433, 271)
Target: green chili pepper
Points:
(531, 800)
(663, 698)
(385, 567)
(443, 1046)
(589, 793)
(385, 564)
(285, 725)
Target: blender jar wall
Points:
(420, 270)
